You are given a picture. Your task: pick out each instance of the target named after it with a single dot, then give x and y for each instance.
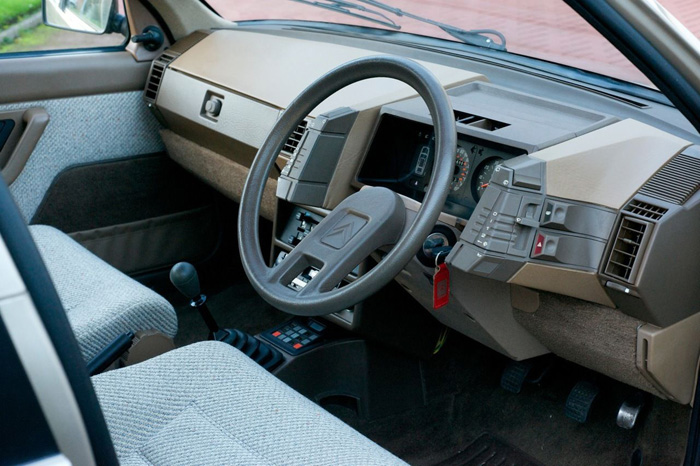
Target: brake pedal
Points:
(630, 411)
(580, 401)
(518, 373)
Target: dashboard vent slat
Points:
(646, 210)
(293, 142)
(155, 77)
(676, 181)
(627, 249)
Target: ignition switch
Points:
(440, 241)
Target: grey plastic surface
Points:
(306, 182)
(665, 290)
(530, 123)
(568, 250)
(381, 208)
(514, 223)
(577, 218)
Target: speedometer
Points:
(461, 169)
(483, 176)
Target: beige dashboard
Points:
(221, 94)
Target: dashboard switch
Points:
(539, 245)
(569, 250)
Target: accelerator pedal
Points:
(631, 410)
(580, 401)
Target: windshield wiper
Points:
(345, 7)
(479, 37)
(473, 36)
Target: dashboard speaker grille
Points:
(646, 210)
(676, 181)
(294, 140)
(155, 77)
(627, 248)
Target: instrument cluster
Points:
(401, 158)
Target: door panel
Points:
(138, 213)
(92, 172)
(20, 132)
(83, 129)
(58, 75)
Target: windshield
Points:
(544, 29)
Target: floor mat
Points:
(490, 451)
(464, 400)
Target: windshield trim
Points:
(566, 74)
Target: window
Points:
(22, 30)
(545, 29)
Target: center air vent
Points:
(644, 209)
(478, 121)
(156, 76)
(676, 181)
(627, 250)
(295, 138)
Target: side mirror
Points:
(91, 16)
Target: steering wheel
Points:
(365, 221)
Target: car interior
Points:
(264, 243)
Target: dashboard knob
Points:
(213, 106)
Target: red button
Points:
(297, 346)
(277, 333)
(539, 245)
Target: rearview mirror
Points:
(91, 16)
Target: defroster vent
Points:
(294, 140)
(626, 254)
(676, 181)
(155, 77)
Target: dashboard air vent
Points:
(676, 181)
(478, 121)
(644, 209)
(627, 248)
(156, 76)
(294, 140)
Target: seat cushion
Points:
(100, 301)
(208, 403)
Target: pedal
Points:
(630, 411)
(518, 373)
(580, 401)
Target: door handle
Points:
(35, 121)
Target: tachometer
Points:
(461, 168)
(483, 176)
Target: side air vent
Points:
(156, 76)
(644, 209)
(295, 138)
(676, 181)
(627, 249)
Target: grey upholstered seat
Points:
(207, 403)
(100, 301)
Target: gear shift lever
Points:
(184, 277)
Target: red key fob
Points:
(441, 286)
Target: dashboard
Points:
(567, 208)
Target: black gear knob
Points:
(184, 277)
